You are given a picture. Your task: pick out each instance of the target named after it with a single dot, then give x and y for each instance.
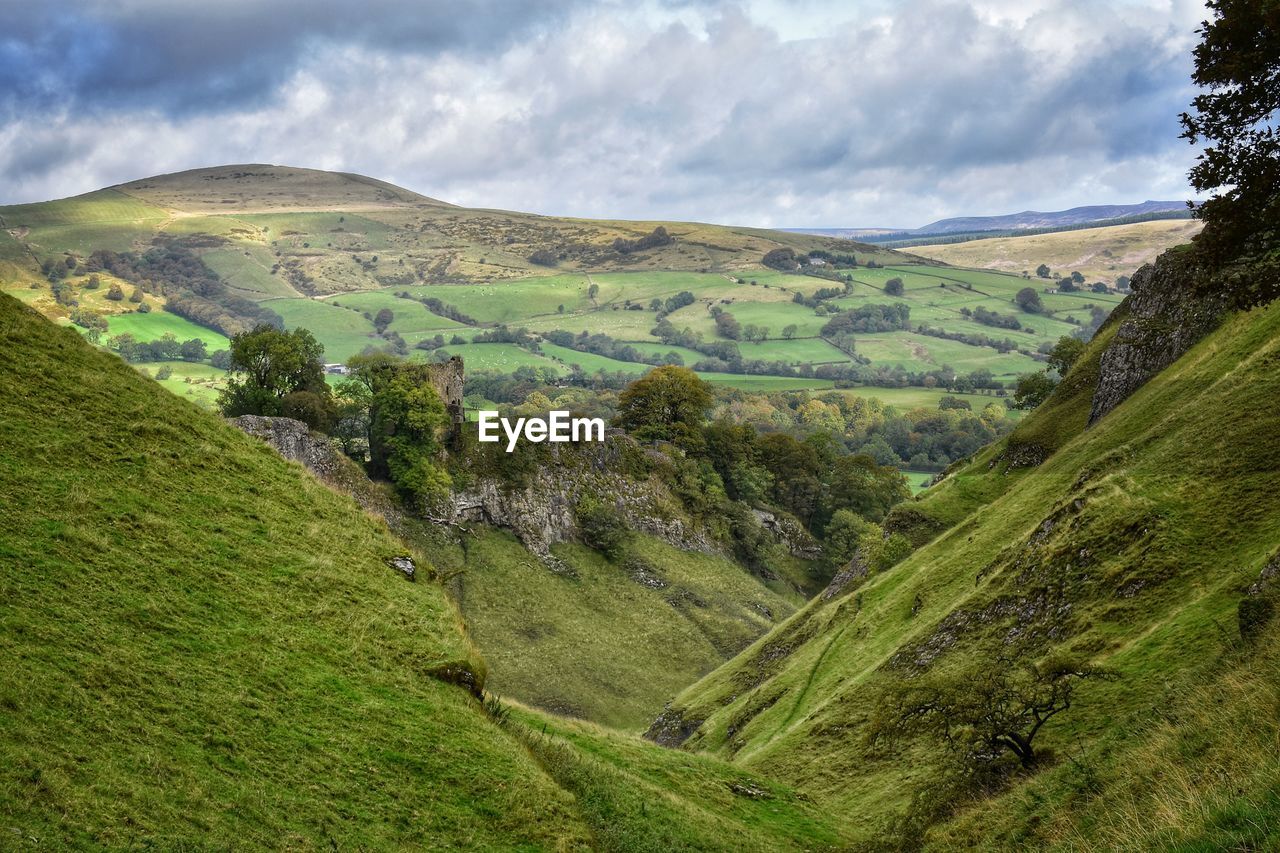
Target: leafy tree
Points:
(727, 326)
(985, 711)
(94, 282)
(115, 293)
(789, 331)
(385, 317)
(1032, 390)
(164, 372)
(407, 420)
(1042, 271)
(894, 287)
(1077, 277)
(1098, 287)
(136, 296)
(193, 350)
(668, 403)
(1065, 353)
(221, 359)
(1238, 63)
(593, 291)
(1028, 299)
(266, 366)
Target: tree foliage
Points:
(668, 403)
(1238, 64)
(985, 711)
(268, 365)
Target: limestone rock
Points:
(1165, 318)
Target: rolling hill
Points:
(233, 246)
(1100, 254)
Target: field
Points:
(1100, 254)
(327, 252)
(156, 324)
(206, 647)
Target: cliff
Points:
(1166, 317)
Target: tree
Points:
(115, 293)
(1077, 277)
(1042, 271)
(1029, 300)
(986, 711)
(789, 331)
(221, 359)
(407, 419)
(668, 404)
(136, 296)
(266, 366)
(1238, 63)
(385, 317)
(1032, 390)
(727, 326)
(894, 286)
(593, 291)
(1065, 353)
(1098, 287)
(193, 350)
(93, 283)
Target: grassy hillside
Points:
(1130, 546)
(582, 645)
(1101, 254)
(201, 646)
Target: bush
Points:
(601, 527)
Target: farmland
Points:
(328, 253)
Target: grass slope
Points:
(200, 645)
(584, 645)
(1131, 545)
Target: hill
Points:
(1101, 254)
(1027, 219)
(204, 646)
(229, 247)
(1052, 219)
(1143, 543)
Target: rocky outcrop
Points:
(541, 512)
(294, 440)
(1166, 317)
(791, 533)
(672, 728)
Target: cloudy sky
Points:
(762, 112)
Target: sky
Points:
(802, 113)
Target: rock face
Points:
(1166, 318)
(294, 440)
(791, 533)
(541, 513)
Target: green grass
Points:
(202, 646)
(343, 332)
(1149, 545)
(500, 357)
(199, 383)
(156, 324)
(582, 645)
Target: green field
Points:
(156, 324)
(343, 332)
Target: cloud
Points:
(897, 115)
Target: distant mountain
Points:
(1009, 221)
